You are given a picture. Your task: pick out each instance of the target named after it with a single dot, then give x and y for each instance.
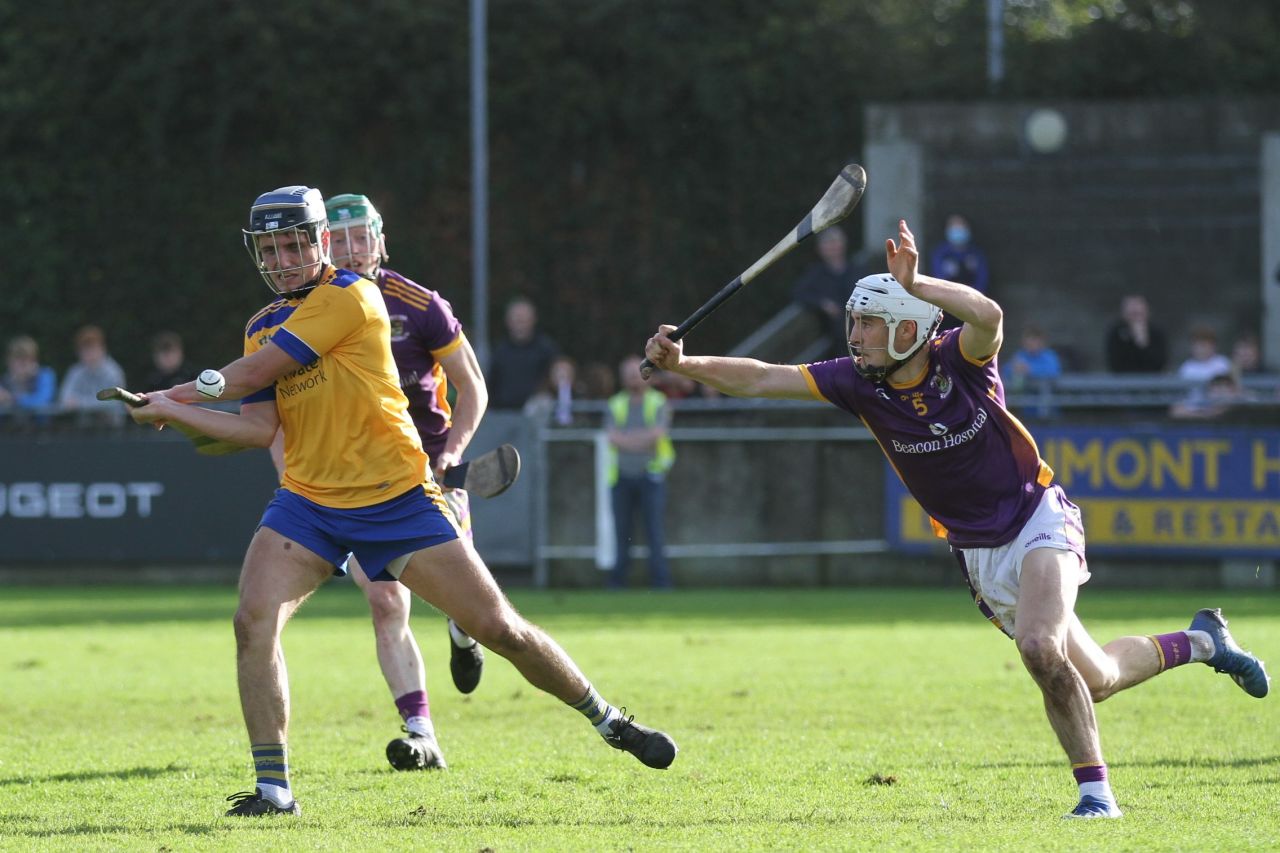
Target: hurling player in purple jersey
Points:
(431, 352)
(935, 404)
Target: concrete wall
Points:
(1269, 282)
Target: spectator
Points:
(1035, 361)
(554, 400)
(1246, 357)
(637, 423)
(1212, 400)
(521, 363)
(169, 365)
(825, 286)
(94, 370)
(957, 259)
(1205, 362)
(1134, 345)
(27, 387)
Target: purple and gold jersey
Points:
(967, 461)
(348, 438)
(423, 331)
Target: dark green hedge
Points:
(642, 152)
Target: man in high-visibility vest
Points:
(640, 455)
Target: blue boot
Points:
(1244, 669)
(1091, 806)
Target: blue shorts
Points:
(376, 534)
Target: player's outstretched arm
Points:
(983, 318)
(254, 426)
(737, 377)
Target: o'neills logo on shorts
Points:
(946, 441)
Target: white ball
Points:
(1046, 130)
(210, 384)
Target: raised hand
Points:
(903, 258)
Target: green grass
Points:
(120, 729)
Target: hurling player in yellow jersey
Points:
(433, 356)
(356, 481)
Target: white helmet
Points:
(882, 296)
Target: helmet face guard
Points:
(882, 296)
(358, 241)
(287, 238)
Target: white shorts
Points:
(994, 573)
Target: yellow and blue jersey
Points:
(348, 438)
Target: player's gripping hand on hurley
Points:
(663, 352)
(442, 463)
(158, 410)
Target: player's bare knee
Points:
(388, 607)
(1104, 688)
(501, 630)
(1042, 654)
(1098, 694)
(253, 626)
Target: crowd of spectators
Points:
(1211, 382)
(32, 395)
(529, 373)
(1133, 345)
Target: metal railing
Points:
(602, 550)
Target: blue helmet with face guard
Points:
(287, 214)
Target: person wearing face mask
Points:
(958, 259)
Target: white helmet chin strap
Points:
(882, 296)
(893, 351)
(879, 374)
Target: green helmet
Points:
(353, 209)
(356, 226)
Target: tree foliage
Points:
(641, 153)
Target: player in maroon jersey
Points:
(935, 403)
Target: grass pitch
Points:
(824, 719)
